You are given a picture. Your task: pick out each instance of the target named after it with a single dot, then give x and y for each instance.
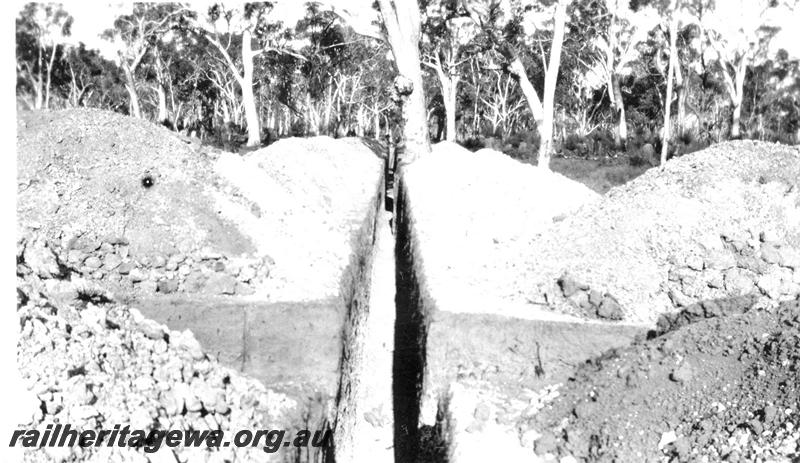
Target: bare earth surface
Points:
(527, 264)
(690, 220)
(250, 253)
(724, 388)
(481, 211)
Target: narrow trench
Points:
(383, 360)
(412, 444)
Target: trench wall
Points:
(450, 337)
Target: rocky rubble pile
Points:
(95, 364)
(740, 263)
(716, 223)
(109, 260)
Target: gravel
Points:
(720, 222)
(98, 363)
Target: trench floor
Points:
(374, 429)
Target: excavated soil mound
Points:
(480, 211)
(142, 210)
(306, 197)
(721, 222)
(726, 387)
(117, 176)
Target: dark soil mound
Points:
(722, 388)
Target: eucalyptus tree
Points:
(139, 32)
(41, 29)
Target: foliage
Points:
(321, 75)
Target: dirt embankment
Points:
(108, 202)
(720, 222)
(143, 211)
(726, 387)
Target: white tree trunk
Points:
(621, 137)
(402, 21)
(38, 84)
(49, 78)
(550, 79)
(450, 94)
(673, 32)
(130, 86)
(248, 97)
(163, 115)
(736, 98)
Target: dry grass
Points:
(599, 175)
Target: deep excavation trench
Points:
(383, 354)
(363, 424)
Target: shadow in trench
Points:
(409, 343)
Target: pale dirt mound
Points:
(83, 171)
(308, 198)
(476, 212)
(725, 388)
(721, 222)
(147, 211)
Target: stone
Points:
(220, 283)
(186, 340)
(158, 261)
(546, 443)
(610, 309)
(244, 289)
(107, 248)
(595, 297)
(569, 285)
(739, 282)
(770, 254)
(136, 275)
(111, 261)
(171, 403)
(194, 282)
(171, 265)
(682, 448)
(768, 236)
(769, 413)
(93, 262)
(116, 240)
(721, 260)
(41, 259)
(695, 263)
(682, 374)
(482, 412)
(221, 405)
(209, 254)
(770, 285)
(715, 280)
(167, 286)
(789, 258)
(125, 268)
(679, 299)
(247, 273)
(75, 256)
(152, 329)
(123, 251)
